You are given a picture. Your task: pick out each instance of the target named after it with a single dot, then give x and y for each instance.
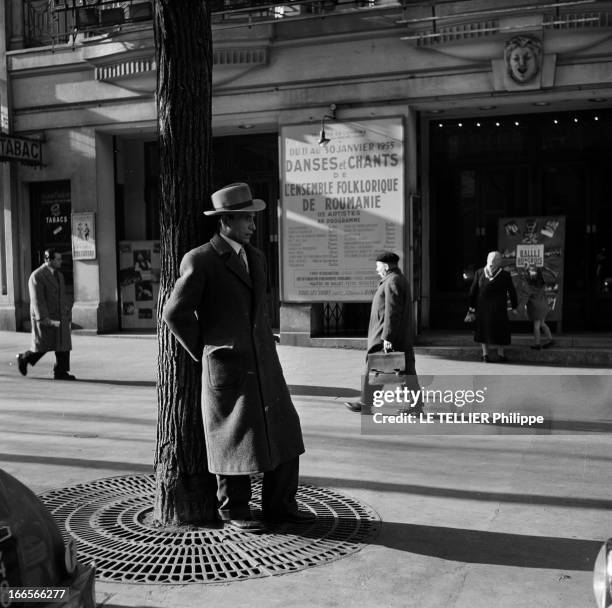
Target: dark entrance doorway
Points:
(545, 164)
(254, 159)
(50, 226)
(245, 158)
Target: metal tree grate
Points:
(108, 518)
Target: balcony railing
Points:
(48, 22)
(60, 21)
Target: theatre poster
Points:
(537, 241)
(341, 204)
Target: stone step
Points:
(594, 357)
(571, 350)
(588, 340)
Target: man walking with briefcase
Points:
(50, 312)
(390, 327)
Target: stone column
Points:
(108, 312)
(10, 283)
(95, 281)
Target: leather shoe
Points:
(354, 406)
(548, 344)
(297, 517)
(22, 364)
(64, 376)
(246, 525)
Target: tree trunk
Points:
(185, 490)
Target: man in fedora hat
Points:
(50, 312)
(390, 327)
(217, 311)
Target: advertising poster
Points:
(341, 204)
(536, 243)
(83, 236)
(139, 269)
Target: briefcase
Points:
(386, 368)
(387, 371)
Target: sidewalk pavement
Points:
(468, 522)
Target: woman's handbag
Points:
(470, 317)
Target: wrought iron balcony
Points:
(50, 22)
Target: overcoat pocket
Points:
(225, 367)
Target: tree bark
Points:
(185, 490)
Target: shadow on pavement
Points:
(93, 418)
(376, 486)
(117, 382)
(322, 391)
(504, 497)
(578, 426)
(495, 548)
(471, 546)
(513, 360)
(294, 389)
(130, 467)
(80, 380)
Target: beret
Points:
(387, 257)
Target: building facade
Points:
(505, 112)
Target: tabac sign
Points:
(26, 151)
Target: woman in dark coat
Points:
(489, 295)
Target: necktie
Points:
(243, 259)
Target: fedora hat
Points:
(235, 198)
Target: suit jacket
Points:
(48, 302)
(218, 313)
(391, 314)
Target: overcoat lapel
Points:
(235, 265)
(50, 279)
(232, 261)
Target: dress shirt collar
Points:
(235, 245)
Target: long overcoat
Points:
(218, 313)
(391, 316)
(489, 297)
(48, 302)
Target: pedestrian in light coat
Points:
(217, 311)
(50, 313)
(390, 327)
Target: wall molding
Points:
(127, 68)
